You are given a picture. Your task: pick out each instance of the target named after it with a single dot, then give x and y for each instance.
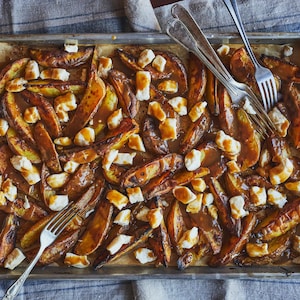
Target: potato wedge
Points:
(54, 88)
(47, 148)
(8, 236)
(46, 112)
(15, 119)
(96, 230)
(56, 58)
(46, 190)
(12, 71)
(140, 175)
(88, 105)
(20, 147)
(211, 94)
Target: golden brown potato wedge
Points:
(12, 71)
(88, 105)
(46, 112)
(211, 94)
(46, 190)
(15, 119)
(20, 147)
(56, 58)
(47, 148)
(8, 236)
(96, 230)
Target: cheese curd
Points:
(31, 115)
(77, 261)
(117, 199)
(105, 65)
(135, 142)
(32, 70)
(21, 163)
(197, 110)
(258, 195)
(193, 159)
(195, 205)
(135, 194)
(168, 86)
(142, 81)
(155, 110)
(58, 202)
(55, 73)
(145, 58)
(57, 180)
(184, 194)
(85, 137)
(118, 242)
(114, 119)
(142, 214)
(282, 171)
(179, 104)
(155, 217)
(276, 198)
(228, 144)
(144, 255)
(257, 250)
(10, 190)
(198, 184)
(109, 158)
(14, 259)
(294, 187)
(124, 158)
(70, 166)
(237, 207)
(159, 63)
(189, 238)
(123, 217)
(16, 85)
(208, 199)
(63, 141)
(3, 127)
(168, 129)
(281, 123)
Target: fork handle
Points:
(235, 14)
(14, 289)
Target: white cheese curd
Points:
(282, 171)
(14, 259)
(105, 65)
(208, 199)
(233, 167)
(193, 159)
(249, 108)
(86, 136)
(32, 176)
(10, 190)
(135, 142)
(117, 199)
(142, 214)
(195, 205)
(257, 250)
(124, 158)
(294, 187)
(223, 50)
(265, 158)
(198, 184)
(57, 180)
(108, 158)
(32, 70)
(228, 144)
(155, 217)
(16, 85)
(145, 58)
(142, 81)
(26, 204)
(55, 73)
(159, 63)
(123, 217)
(135, 195)
(63, 141)
(184, 194)
(114, 119)
(155, 110)
(237, 207)
(71, 46)
(3, 127)
(144, 255)
(168, 86)
(31, 115)
(21, 163)
(258, 195)
(118, 242)
(71, 166)
(281, 123)
(58, 202)
(77, 261)
(276, 198)
(197, 110)
(189, 238)
(213, 211)
(168, 129)
(3, 200)
(65, 102)
(179, 104)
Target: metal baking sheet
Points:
(120, 270)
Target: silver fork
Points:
(48, 235)
(264, 77)
(185, 31)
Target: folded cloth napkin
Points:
(70, 16)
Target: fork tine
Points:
(65, 222)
